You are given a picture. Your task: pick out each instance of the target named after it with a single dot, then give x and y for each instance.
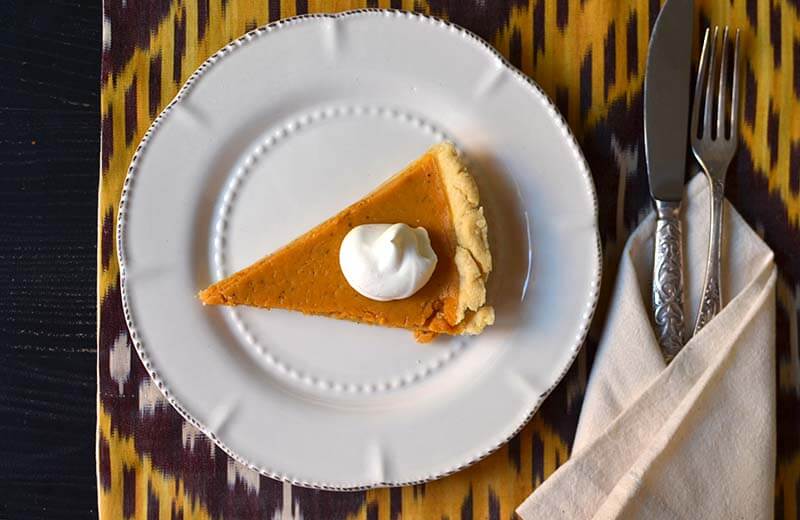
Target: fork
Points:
(713, 146)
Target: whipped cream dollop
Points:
(387, 261)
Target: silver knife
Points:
(666, 122)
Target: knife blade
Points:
(666, 99)
(666, 120)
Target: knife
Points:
(666, 117)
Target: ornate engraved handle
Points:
(668, 279)
(711, 301)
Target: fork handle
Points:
(668, 278)
(711, 300)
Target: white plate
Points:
(285, 127)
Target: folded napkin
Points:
(696, 438)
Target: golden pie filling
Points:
(435, 192)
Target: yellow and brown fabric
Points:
(589, 56)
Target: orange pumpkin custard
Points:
(435, 192)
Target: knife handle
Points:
(668, 278)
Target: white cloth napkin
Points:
(695, 439)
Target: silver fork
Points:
(713, 147)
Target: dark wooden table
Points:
(49, 164)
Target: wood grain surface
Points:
(49, 164)
(50, 53)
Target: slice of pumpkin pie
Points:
(416, 257)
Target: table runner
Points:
(589, 56)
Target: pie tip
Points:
(211, 296)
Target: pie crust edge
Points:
(472, 257)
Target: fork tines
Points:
(720, 117)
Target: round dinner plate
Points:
(282, 129)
